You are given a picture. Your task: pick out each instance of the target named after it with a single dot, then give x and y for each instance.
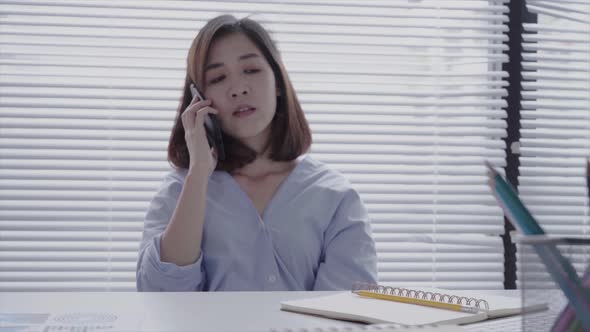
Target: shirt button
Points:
(272, 278)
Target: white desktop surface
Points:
(186, 311)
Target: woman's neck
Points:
(263, 167)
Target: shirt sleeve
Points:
(152, 274)
(349, 253)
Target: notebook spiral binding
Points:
(480, 304)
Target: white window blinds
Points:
(555, 122)
(403, 97)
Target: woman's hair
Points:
(289, 137)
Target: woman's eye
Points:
(251, 71)
(217, 79)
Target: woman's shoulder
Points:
(176, 175)
(172, 182)
(318, 173)
(325, 187)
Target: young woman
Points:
(267, 216)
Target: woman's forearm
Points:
(181, 241)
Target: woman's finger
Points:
(198, 105)
(214, 153)
(207, 110)
(189, 116)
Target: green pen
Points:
(516, 209)
(575, 326)
(560, 269)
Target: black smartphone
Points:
(212, 128)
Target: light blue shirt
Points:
(313, 235)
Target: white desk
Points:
(195, 311)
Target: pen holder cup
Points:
(537, 285)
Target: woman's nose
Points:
(239, 91)
(236, 93)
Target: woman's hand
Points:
(203, 158)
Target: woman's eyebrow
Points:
(248, 55)
(219, 64)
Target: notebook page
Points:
(348, 306)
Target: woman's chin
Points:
(252, 138)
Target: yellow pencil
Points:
(411, 300)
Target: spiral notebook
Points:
(352, 307)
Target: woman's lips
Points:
(244, 111)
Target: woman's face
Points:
(241, 84)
